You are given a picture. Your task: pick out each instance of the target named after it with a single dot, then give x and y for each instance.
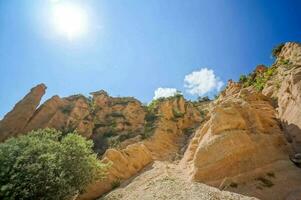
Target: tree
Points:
(44, 164)
(243, 79)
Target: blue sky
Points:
(133, 47)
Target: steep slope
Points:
(285, 87)
(173, 117)
(241, 145)
(166, 181)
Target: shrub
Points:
(150, 117)
(148, 131)
(46, 165)
(117, 114)
(115, 183)
(113, 142)
(276, 50)
(67, 109)
(177, 113)
(203, 99)
(152, 106)
(243, 79)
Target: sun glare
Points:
(69, 20)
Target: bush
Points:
(177, 113)
(276, 50)
(243, 79)
(67, 109)
(203, 99)
(150, 117)
(45, 165)
(115, 183)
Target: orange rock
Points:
(15, 121)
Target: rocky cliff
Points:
(285, 87)
(15, 121)
(243, 142)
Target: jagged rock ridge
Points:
(241, 142)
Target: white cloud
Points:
(202, 81)
(165, 92)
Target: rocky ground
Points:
(165, 181)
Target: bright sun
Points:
(69, 19)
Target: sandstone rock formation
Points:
(174, 117)
(124, 164)
(103, 118)
(128, 134)
(285, 87)
(241, 142)
(15, 121)
(241, 135)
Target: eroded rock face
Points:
(175, 115)
(285, 87)
(116, 117)
(291, 51)
(124, 164)
(100, 117)
(241, 135)
(289, 102)
(15, 121)
(119, 127)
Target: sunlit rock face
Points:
(175, 116)
(15, 121)
(241, 135)
(285, 87)
(97, 118)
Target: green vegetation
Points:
(113, 142)
(216, 96)
(152, 114)
(92, 106)
(150, 117)
(148, 130)
(67, 109)
(44, 164)
(203, 99)
(115, 183)
(109, 134)
(276, 50)
(177, 113)
(153, 105)
(257, 79)
(69, 128)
